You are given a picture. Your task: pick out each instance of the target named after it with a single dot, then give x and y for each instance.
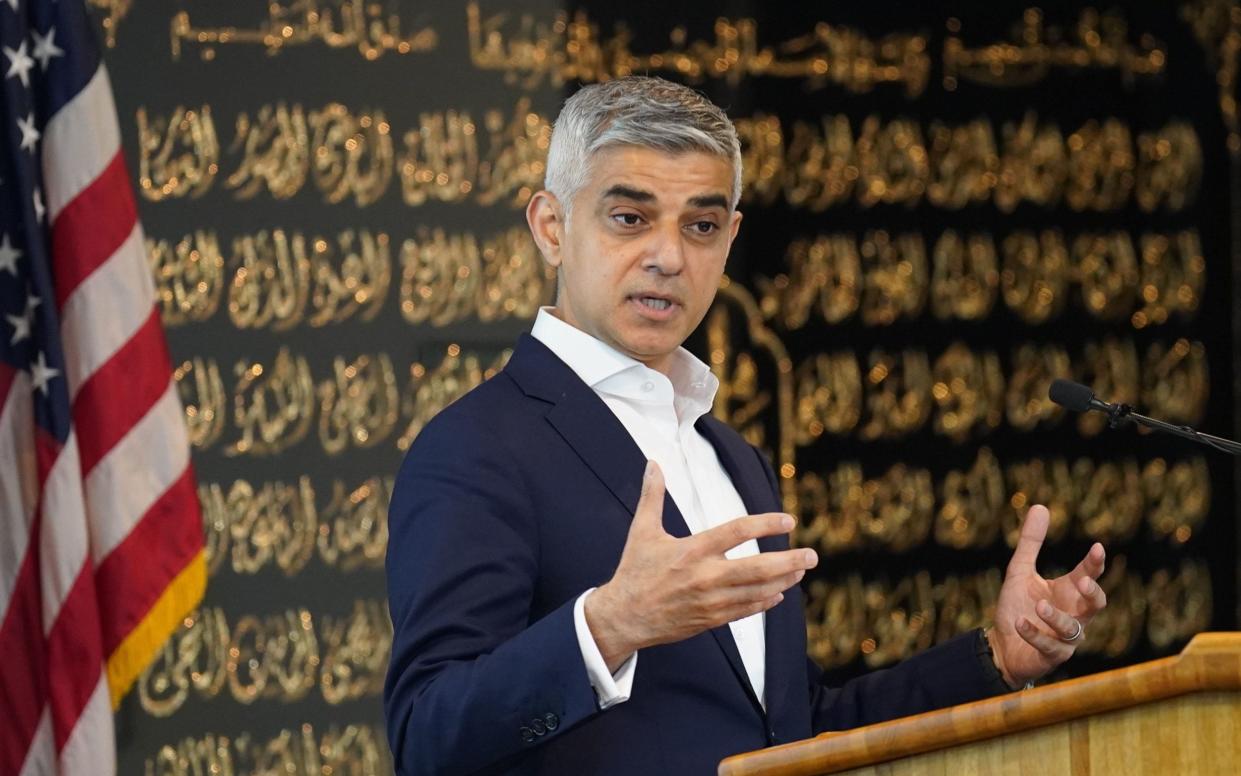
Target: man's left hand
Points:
(1039, 622)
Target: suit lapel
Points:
(744, 470)
(752, 485)
(589, 427)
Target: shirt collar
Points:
(692, 383)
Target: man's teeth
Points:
(656, 304)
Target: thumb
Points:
(1033, 532)
(648, 518)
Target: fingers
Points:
(1064, 626)
(648, 518)
(765, 567)
(1051, 647)
(1033, 531)
(732, 611)
(1079, 591)
(1091, 566)
(745, 610)
(1093, 595)
(746, 581)
(723, 538)
(739, 595)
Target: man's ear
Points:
(733, 226)
(546, 219)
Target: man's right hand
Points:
(668, 589)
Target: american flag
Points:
(101, 550)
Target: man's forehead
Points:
(693, 177)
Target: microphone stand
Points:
(1120, 414)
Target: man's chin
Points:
(652, 354)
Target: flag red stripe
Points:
(46, 451)
(139, 373)
(91, 228)
(7, 373)
(74, 655)
(132, 577)
(23, 673)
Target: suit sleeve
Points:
(472, 683)
(944, 675)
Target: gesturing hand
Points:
(1038, 622)
(667, 589)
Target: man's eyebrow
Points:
(640, 195)
(637, 195)
(710, 200)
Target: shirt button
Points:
(648, 386)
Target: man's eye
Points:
(703, 227)
(627, 219)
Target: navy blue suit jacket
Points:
(511, 503)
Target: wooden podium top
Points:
(1210, 662)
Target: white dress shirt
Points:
(659, 413)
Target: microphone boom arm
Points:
(1120, 414)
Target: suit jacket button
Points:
(538, 727)
(527, 734)
(552, 721)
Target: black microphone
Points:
(1079, 398)
(1075, 397)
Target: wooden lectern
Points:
(1178, 715)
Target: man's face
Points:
(645, 247)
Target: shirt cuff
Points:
(610, 689)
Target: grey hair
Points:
(639, 111)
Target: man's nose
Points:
(666, 252)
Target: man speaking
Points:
(590, 574)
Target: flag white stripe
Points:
(105, 310)
(62, 532)
(19, 484)
(91, 748)
(79, 142)
(119, 491)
